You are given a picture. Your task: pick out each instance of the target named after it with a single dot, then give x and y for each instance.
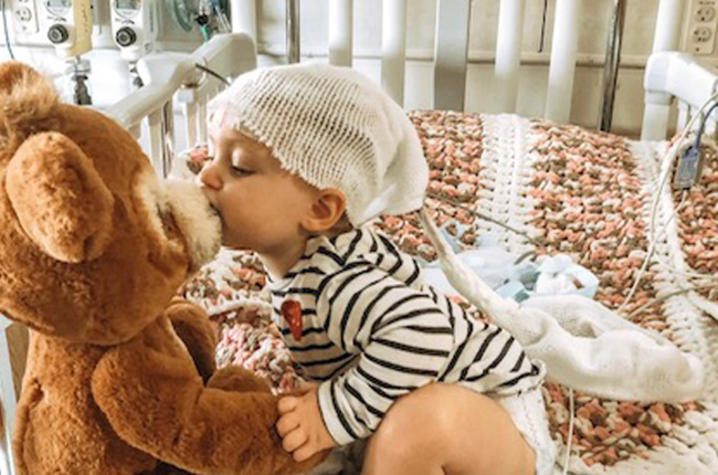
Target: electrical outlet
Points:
(702, 26)
(705, 13)
(701, 34)
(25, 16)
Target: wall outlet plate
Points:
(24, 14)
(30, 20)
(700, 36)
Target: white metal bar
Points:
(168, 138)
(671, 74)
(450, 47)
(165, 73)
(340, 32)
(393, 48)
(154, 125)
(655, 121)
(4, 462)
(684, 113)
(202, 117)
(611, 63)
(8, 398)
(227, 54)
(244, 17)
(189, 110)
(135, 130)
(508, 54)
(667, 34)
(563, 60)
(292, 29)
(666, 37)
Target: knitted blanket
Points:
(568, 190)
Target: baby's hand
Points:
(300, 424)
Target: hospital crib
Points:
(175, 81)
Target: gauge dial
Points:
(127, 8)
(58, 7)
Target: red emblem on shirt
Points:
(292, 313)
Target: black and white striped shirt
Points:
(371, 331)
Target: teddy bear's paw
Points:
(235, 378)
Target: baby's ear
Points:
(326, 211)
(59, 198)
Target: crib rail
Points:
(671, 74)
(167, 76)
(451, 48)
(7, 397)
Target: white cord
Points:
(651, 249)
(665, 172)
(7, 35)
(667, 166)
(479, 215)
(667, 266)
(570, 431)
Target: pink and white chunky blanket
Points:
(578, 192)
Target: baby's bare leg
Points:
(448, 429)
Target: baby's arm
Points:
(406, 353)
(301, 426)
(404, 340)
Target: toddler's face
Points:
(261, 204)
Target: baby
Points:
(303, 157)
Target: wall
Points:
(109, 79)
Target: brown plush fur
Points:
(115, 370)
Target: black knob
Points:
(125, 36)
(202, 19)
(57, 34)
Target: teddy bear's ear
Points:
(59, 198)
(14, 75)
(25, 96)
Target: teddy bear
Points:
(120, 375)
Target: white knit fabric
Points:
(333, 127)
(582, 343)
(509, 153)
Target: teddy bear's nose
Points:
(196, 218)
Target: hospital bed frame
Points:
(172, 80)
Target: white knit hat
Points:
(333, 127)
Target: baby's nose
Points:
(209, 177)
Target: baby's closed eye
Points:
(240, 171)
